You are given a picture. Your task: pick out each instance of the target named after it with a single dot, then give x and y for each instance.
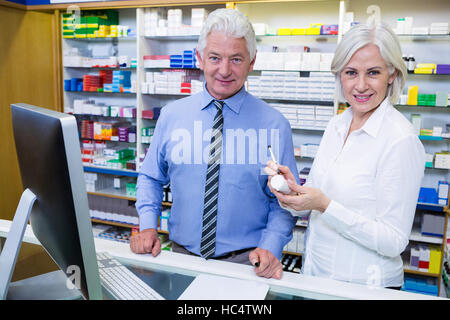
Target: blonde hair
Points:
(385, 39)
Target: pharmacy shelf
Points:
(293, 253)
(103, 93)
(296, 37)
(102, 39)
(306, 128)
(431, 206)
(101, 68)
(417, 236)
(426, 108)
(432, 138)
(407, 269)
(423, 37)
(101, 116)
(173, 38)
(123, 172)
(113, 193)
(114, 223)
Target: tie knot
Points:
(218, 104)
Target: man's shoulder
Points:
(179, 107)
(268, 111)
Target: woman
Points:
(365, 180)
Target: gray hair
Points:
(380, 35)
(231, 22)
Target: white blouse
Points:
(373, 181)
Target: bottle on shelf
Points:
(411, 63)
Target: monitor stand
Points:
(49, 286)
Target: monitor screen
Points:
(49, 158)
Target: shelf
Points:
(417, 236)
(424, 36)
(315, 36)
(100, 115)
(304, 128)
(123, 172)
(102, 68)
(432, 138)
(113, 223)
(102, 39)
(431, 206)
(418, 106)
(113, 193)
(173, 38)
(293, 253)
(407, 269)
(103, 93)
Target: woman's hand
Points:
(271, 170)
(307, 198)
(300, 198)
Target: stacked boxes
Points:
(425, 258)
(293, 61)
(443, 191)
(442, 160)
(309, 150)
(313, 29)
(305, 116)
(68, 25)
(93, 24)
(437, 28)
(159, 22)
(420, 285)
(173, 81)
(147, 134)
(186, 60)
(111, 209)
(81, 106)
(319, 86)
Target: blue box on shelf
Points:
(419, 285)
(428, 195)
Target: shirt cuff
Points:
(338, 217)
(271, 242)
(148, 221)
(294, 212)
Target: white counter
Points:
(290, 283)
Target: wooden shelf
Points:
(115, 224)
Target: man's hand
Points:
(269, 265)
(146, 241)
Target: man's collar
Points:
(234, 102)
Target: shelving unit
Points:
(276, 15)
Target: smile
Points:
(362, 98)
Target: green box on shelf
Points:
(125, 154)
(131, 189)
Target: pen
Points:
(273, 157)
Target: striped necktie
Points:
(208, 243)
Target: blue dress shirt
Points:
(248, 213)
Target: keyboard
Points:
(121, 283)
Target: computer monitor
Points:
(49, 157)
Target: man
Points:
(222, 207)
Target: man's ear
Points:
(252, 63)
(199, 59)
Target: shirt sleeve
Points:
(280, 223)
(397, 185)
(151, 180)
